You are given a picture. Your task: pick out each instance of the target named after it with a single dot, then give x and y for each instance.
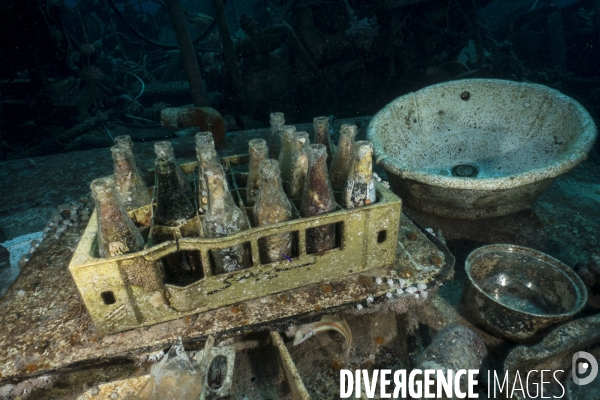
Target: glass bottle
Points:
(342, 160)
(165, 150)
(360, 187)
(125, 142)
(117, 234)
(223, 218)
(318, 199)
(272, 207)
(173, 207)
(258, 152)
(206, 154)
(299, 165)
(285, 154)
(131, 190)
(321, 127)
(277, 122)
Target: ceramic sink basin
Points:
(479, 148)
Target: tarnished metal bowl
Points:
(479, 148)
(515, 292)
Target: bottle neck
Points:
(103, 190)
(258, 151)
(123, 169)
(277, 119)
(204, 138)
(317, 168)
(124, 163)
(164, 150)
(172, 205)
(219, 198)
(362, 168)
(167, 182)
(321, 127)
(270, 184)
(299, 140)
(206, 155)
(346, 142)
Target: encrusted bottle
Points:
(277, 122)
(318, 199)
(165, 150)
(258, 152)
(299, 166)
(130, 187)
(206, 154)
(223, 218)
(321, 127)
(173, 207)
(342, 160)
(272, 207)
(360, 187)
(285, 154)
(117, 234)
(125, 142)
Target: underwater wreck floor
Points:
(564, 223)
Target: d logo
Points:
(583, 367)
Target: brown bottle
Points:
(360, 188)
(277, 122)
(223, 218)
(125, 142)
(117, 233)
(299, 166)
(173, 207)
(130, 188)
(318, 199)
(258, 152)
(285, 155)
(272, 207)
(165, 150)
(206, 154)
(342, 160)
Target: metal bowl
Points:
(516, 292)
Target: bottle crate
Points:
(133, 290)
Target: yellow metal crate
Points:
(129, 291)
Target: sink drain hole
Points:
(465, 171)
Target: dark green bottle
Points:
(173, 208)
(164, 149)
(172, 204)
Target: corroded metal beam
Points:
(188, 54)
